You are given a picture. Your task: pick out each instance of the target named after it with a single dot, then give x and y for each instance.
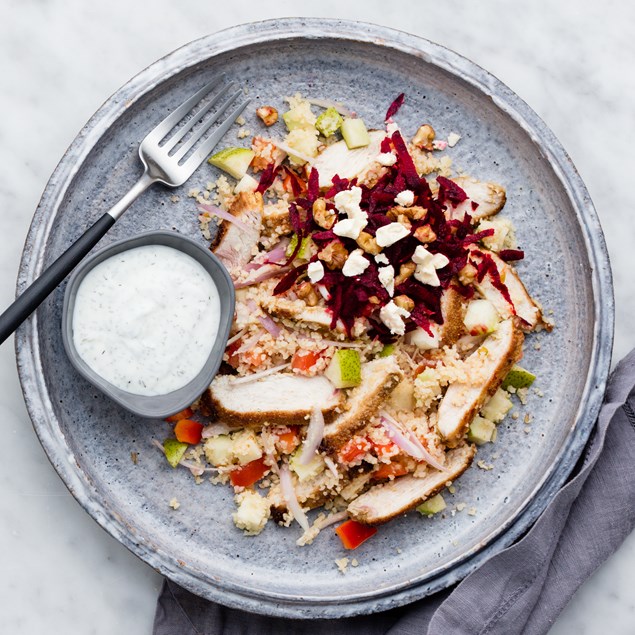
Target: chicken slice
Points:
(524, 307)
(338, 160)
(383, 502)
(235, 244)
(277, 399)
(490, 197)
(452, 311)
(488, 366)
(379, 378)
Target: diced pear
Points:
(402, 397)
(246, 184)
(481, 431)
(355, 133)
(432, 506)
(305, 247)
(219, 450)
(481, 317)
(518, 377)
(314, 467)
(497, 407)
(174, 451)
(345, 369)
(422, 339)
(234, 161)
(245, 447)
(329, 122)
(387, 351)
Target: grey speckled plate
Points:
(89, 439)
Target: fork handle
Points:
(44, 285)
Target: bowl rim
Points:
(158, 406)
(281, 30)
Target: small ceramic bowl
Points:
(159, 406)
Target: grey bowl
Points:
(159, 406)
(88, 438)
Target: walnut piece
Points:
(404, 302)
(405, 271)
(467, 275)
(334, 255)
(324, 217)
(368, 243)
(268, 114)
(425, 234)
(424, 137)
(415, 213)
(307, 293)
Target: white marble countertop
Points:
(572, 61)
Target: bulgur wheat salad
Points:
(378, 323)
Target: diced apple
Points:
(481, 317)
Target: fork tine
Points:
(197, 134)
(159, 131)
(177, 136)
(206, 147)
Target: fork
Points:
(167, 163)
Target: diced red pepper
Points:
(249, 473)
(289, 440)
(353, 534)
(379, 449)
(389, 470)
(304, 360)
(354, 449)
(233, 359)
(188, 431)
(184, 414)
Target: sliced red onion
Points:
(215, 429)
(196, 469)
(408, 441)
(272, 272)
(290, 497)
(249, 343)
(255, 376)
(324, 292)
(230, 218)
(332, 520)
(343, 344)
(289, 150)
(236, 337)
(269, 325)
(279, 252)
(251, 305)
(314, 436)
(331, 465)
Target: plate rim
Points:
(28, 358)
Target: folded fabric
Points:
(523, 589)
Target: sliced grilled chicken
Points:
(488, 365)
(383, 502)
(490, 197)
(524, 307)
(379, 378)
(277, 399)
(452, 311)
(312, 316)
(338, 160)
(236, 243)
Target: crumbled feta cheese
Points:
(390, 234)
(252, 513)
(355, 264)
(381, 259)
(350, 227)
(392, 316)
(386, 159)
(174, 503)
(405, 198)
(453, 139)
(347, 202)
(427, 264)
(315, 271)
(386, 276)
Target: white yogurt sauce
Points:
(146, 319)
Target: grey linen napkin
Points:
(521, 590)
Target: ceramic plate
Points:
(89, 439)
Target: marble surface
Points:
(571, 61)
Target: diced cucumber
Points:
(432, 506)
(518, 377)
(355, 133)
(481, 431)
(497, 407)
(345, 369)
(314, 467)
(329, 122)
(234, 161)
(174, 451)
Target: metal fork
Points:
(164, 162)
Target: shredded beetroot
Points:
(449, 191)
(313, 189)
(511, 254)
(289, 279)
(406, 164)
(267, 178)
(298, 186)
(339, 185)
(466, 292)
(487, 266)
(385, 145)
(394, 107)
